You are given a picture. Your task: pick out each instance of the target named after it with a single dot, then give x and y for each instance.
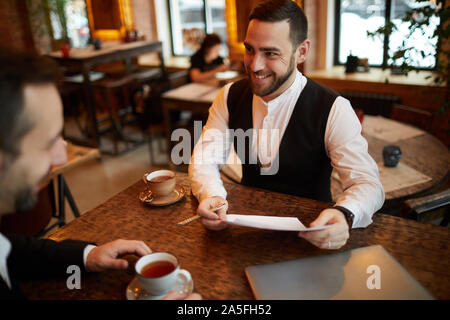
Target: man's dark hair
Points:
(16, 71)
(280, 10)
(209, 41)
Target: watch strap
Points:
(349, 216)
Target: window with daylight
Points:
(354, 18)
(69, 21)
(190, 20)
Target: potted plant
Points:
(404, 59)
(53, 13)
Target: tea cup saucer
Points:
(135, 291)
(176, 195)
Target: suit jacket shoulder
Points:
(32, 258)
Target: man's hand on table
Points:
(213, 220)
(105, 257)
(331, 238)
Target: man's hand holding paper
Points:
(213, 219)
(332, 238)
(329, 231)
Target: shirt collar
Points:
(5, 248)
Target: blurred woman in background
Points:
(206, 62)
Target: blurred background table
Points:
(85, 60)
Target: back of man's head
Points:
(281, 10)
(18, 70)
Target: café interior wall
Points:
(14, 28)
(318, 22)
(144, 15)
(22, 24)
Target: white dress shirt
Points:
(363, 193)
(5, 248)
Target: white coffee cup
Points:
(160, 188)
(158, 286)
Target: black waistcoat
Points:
(304, 168)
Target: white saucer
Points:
(136, 292)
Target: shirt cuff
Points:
(219, 192)
(361, 220)
(86, 252)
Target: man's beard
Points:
(25, 200)
(279, 81)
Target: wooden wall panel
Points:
(106, 14)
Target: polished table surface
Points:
(217, 259)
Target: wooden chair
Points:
(417, 117)
(149, 84)
(425, 209)
(115, 97)
(73, 98)
(371, 103)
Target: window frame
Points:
(205, 19)
(384, 64)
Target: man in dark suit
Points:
(31, 123)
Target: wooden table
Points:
(84, 61)
(424, 153)
(216, 259)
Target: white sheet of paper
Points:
(270, 223)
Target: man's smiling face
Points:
(270, 58)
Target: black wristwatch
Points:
(349, 216)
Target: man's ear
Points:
(303, 50)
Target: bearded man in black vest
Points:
(298, 131)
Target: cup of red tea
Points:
(161, 183)
(160, 272)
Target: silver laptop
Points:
(365, 273)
